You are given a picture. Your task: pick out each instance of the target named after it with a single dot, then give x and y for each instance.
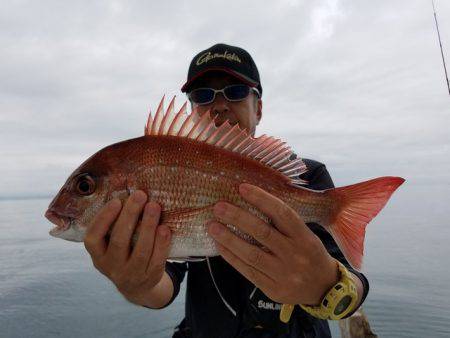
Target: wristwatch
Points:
(338, 302)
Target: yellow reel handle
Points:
(286, 312)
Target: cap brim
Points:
(233, 73)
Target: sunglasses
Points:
(233, 93)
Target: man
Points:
(240, 292)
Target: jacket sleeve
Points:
(319, 179)
(176, 272)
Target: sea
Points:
(49, 287)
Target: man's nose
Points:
(220, 104)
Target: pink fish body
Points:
(187, 164)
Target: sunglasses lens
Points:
(236, 92)
(202, 95)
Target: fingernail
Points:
(215, 229)
(244, 188)
(163, 233)
(114, 203)
(220, 208)
(139, 196)
(152, 209)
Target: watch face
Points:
(342, 305)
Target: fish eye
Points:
(85, 185)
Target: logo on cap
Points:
(208, 56)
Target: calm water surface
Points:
(49, 288)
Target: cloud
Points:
(358, 85)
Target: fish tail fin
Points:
(359, 204)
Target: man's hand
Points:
(138, 272)
(293, 268)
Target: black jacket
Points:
(206, 315)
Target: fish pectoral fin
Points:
(187, 216)
(170, 215)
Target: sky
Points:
(358, 85)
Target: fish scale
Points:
(169, 187)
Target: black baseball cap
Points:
(221, 57)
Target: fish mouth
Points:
(62, 222)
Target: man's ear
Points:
(258, 111)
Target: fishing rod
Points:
(440, 44)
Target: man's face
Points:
(247, 113)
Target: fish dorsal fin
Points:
(268, 150)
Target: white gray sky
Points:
(358, 85)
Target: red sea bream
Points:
(186, 163)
